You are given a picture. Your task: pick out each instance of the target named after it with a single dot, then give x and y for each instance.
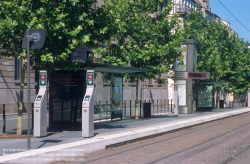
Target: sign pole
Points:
(37, 38)
(28, 84)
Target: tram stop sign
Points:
(36, 36)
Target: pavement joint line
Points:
(96, 143)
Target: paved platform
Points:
(70, 144)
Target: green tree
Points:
(69, 24)
(220, 52)
(145, 38)
(141, 36)
(239, 75)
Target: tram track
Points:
(166, 138)
(189, 153)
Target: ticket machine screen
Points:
(39, 98)
(87, 97)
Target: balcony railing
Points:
(182, 9)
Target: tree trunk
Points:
(20, 104)
(136, 101)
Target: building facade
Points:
(10, 74)
(149, 89)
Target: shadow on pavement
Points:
(49, 141)
(107, 125)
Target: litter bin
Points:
(146, 110)
(221, 103)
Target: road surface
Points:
(218, 142)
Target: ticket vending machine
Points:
(40, 107)
(176, 100)
(88, 106)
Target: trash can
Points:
(146, 110)
(221, 103)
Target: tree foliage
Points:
(141, 36)
(220, 52)
(69, 24)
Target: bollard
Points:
(161, 106)
(4, 119)
(153, 101)
(171, 106)
(125, 108)
(140, 107)
(130, 108)
(157, 105)
(32, 116)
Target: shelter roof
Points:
(104, 68)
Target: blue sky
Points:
(239, 9)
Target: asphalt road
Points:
(218, 142)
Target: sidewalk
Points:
(106, 133)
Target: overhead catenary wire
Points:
(239, 20)
(234, 16)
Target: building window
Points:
(120, 41)
(106, 81)
(17, 68)
(159, 80)
(132, 84)
(163, 6)
(150, 82)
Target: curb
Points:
(100, 143)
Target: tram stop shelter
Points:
(67, 89)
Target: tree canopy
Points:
(220, 52)
(69, 24)
(141, 36)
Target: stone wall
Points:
(10, 88)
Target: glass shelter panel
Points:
(205, 96)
